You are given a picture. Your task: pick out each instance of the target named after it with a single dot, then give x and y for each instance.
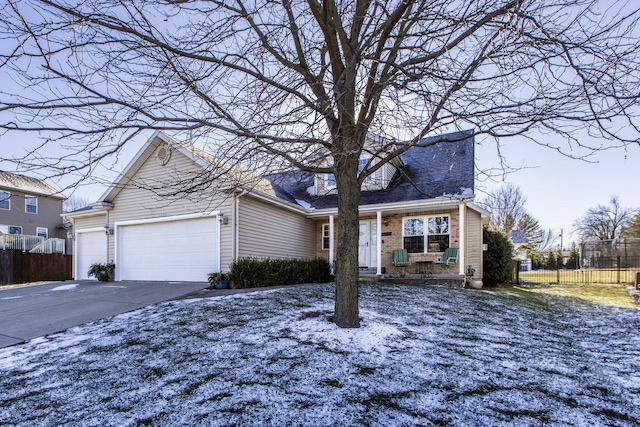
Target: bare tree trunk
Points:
(346, 308)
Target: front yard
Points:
(424, 356)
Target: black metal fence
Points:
(602, 270)
(602, 261)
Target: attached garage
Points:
(91, 247)
(177, 249)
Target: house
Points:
(521, 248)
(31, 209)
(153, 232)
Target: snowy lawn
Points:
(424, 356)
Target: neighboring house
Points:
(166, 235)
(521, 248)
(29, 207)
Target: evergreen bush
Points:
(255, 273)
(497, 259)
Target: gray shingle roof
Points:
(12, 181)
(444, 169)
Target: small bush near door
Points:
(497, 259)
(254, 273)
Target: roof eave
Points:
(398, 207)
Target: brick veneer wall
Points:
(394, 241)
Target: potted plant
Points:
(219, 280)
(102, 272)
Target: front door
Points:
(367, 244)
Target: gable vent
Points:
(164, 154)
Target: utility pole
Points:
(561, 238)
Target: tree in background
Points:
(301, 85)
(573, 262)
(605, 222)
(75, 202)
(507, 207)
(509, 214)
(633, 228)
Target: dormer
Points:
(326, 184)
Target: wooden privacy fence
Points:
(23, 267)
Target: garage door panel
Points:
(185, 250)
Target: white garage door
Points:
(183, 250)
(91, 247)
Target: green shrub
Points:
(102, 272)
(255, 273)
(497, 259)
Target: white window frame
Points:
(362, 162)
(425, 230)
(44, 231)
(27, 205)
(409, 218)
(326, 235)
(448, 233)
(6, 229)
(5, 196)
(329, 181)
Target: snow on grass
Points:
(424, 356)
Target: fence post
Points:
(558, 277)
(618, 268)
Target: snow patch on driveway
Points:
(65, 287)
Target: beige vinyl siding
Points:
(93, 221)
(387, 172)
(474, 242)
(136, 203)
(266, 231)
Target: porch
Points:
(33, 244)
(445, 279)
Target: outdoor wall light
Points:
(107, 230)
(386, 221)
(223, 219)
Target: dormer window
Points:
(362, 163)
(330, 181)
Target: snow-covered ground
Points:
(424, 356)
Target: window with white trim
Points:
(325, 236)
(436, 233)
(330, 181)
(31, 204)
(10, 229)
(5, 200)
(362, 163)
(42, 232)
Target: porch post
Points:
(461, 238)
(331, 244)
(379, 243)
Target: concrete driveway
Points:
(34, 311)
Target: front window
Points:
(437, 234)
(325, 236)
(5, 199)
(413, 235)
(438, 237)
(31, 204)
(42, 232)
